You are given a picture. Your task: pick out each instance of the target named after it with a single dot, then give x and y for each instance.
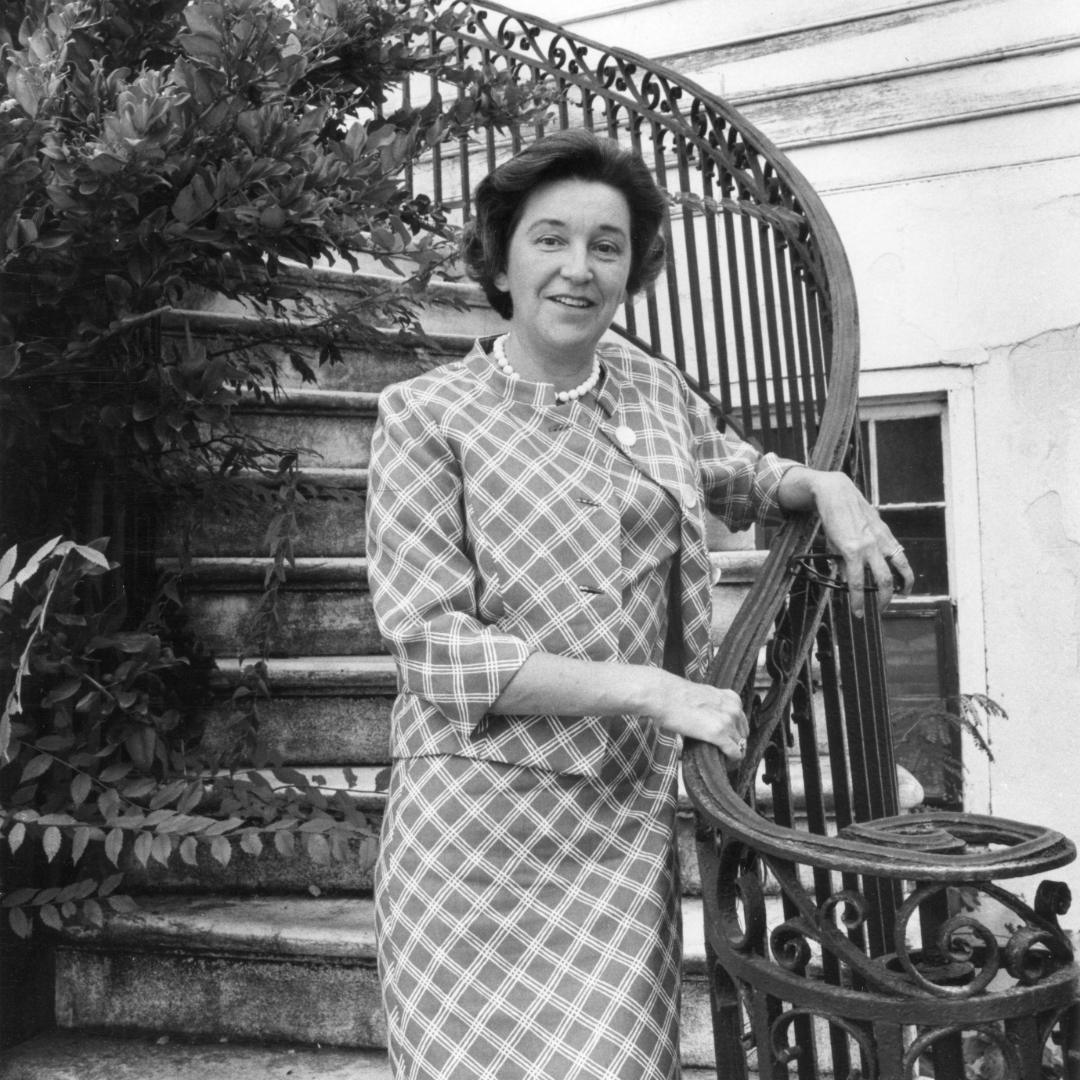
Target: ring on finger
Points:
(741, 744)
(898, 550)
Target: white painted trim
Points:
(965, 545)
(771, 35)
(894, 385)
(928, 122)
(782, 93)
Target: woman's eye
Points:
(608, 248)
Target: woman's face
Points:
(566, 268)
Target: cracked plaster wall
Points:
(1028, 437)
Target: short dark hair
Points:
(576, 154)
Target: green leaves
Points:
(114, 844)
(193, 202)
(55, 906)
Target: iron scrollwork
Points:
(783, 1052)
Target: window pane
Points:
(909, 460)
(864, 449)
(922, 532)
(925, 743)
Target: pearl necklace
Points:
(561, 396)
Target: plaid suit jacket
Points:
(492, 534)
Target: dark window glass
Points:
(922, 532)
(864, 439)
(920, 651)
(909, 460)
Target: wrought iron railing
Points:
(756, 306)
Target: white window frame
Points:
(948, 392)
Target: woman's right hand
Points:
(564, 686)
(702, 712)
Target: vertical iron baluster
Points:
(671, 272)
(611, 119)
(629, 313)
(651, 308)
(802, 712)
(857, 706)
(879, 727)
(489, 130)
(463, 150)
(843, 811)
(764, 1010)
(783, 431)
(947, 1052)
(889, 1040)
(1070, 1041)
(777, 770)
(406, 104)
(813, 298)
(874, 660)
(696, 312)
(436, 150)
(765, 426)
(540, 125)
(719, 322)
(800, 444)
(726, 1008)
(811, 406)
(587, 109)
(1023, 1031)
(736, 306)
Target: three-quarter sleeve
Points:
(740, 483)
(424, 585)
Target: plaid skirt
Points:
(528, 922)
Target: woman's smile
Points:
(566, 271)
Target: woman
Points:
(535, 539)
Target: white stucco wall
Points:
(1028, 415)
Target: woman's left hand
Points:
(854, 530)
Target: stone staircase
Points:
(239, 971)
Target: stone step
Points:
(445, 306)
(325, 609)
(282, 969)
(299, 970)
(331, 524)
(70, 1055)
(366, 366)
(331, 428)
(323, 710)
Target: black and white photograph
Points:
(539, 543)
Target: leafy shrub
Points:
(97, 755)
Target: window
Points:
(904, 462)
